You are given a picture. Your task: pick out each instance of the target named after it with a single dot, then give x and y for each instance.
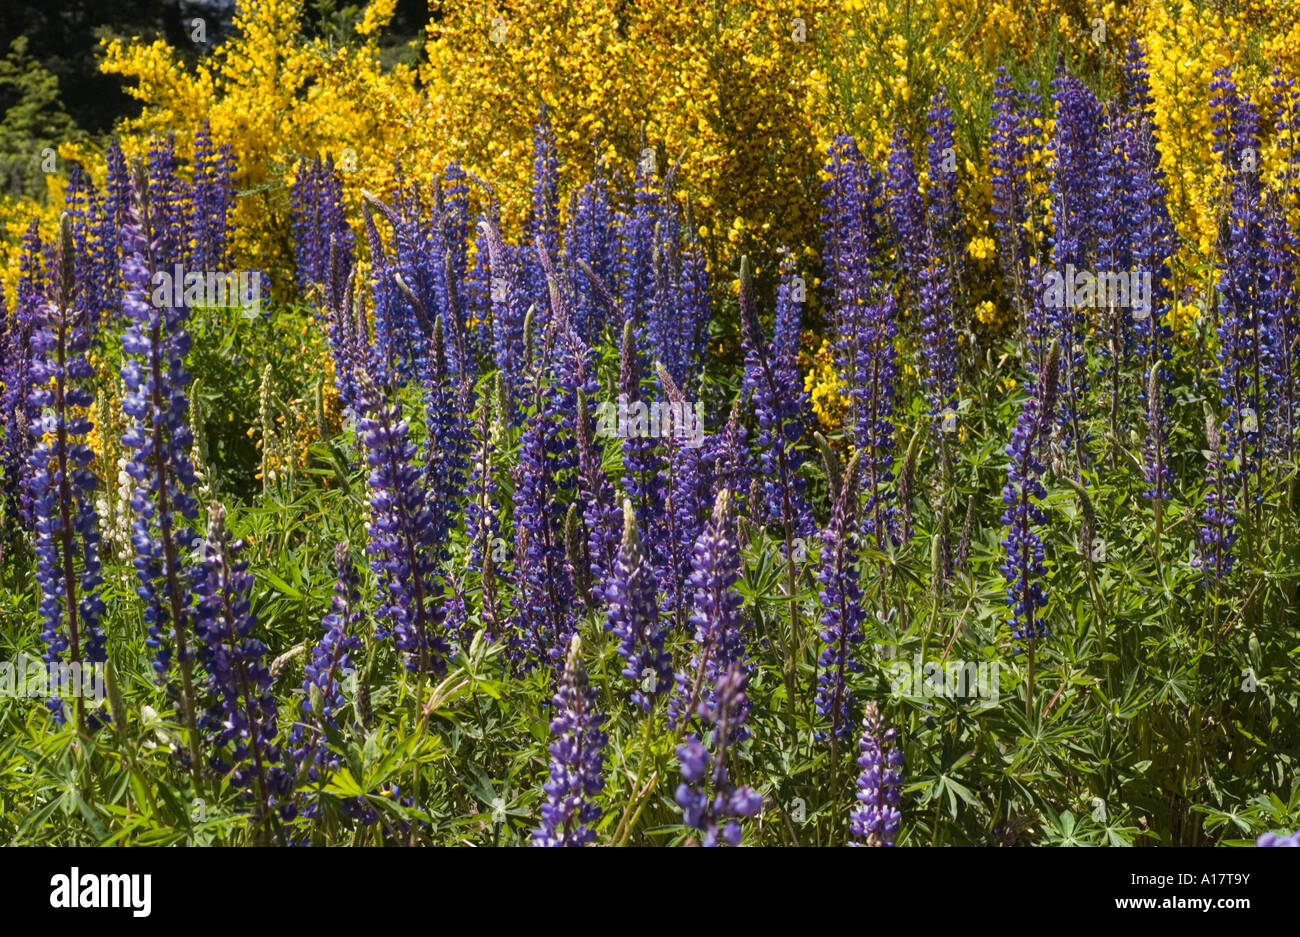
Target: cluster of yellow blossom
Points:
(747, 96)
(822, 383)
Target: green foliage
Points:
(1165, 711)
(34, 123)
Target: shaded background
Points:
(51, 89)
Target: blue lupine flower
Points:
(1151, 247)
(589, 236)
(877, 816)
(710, 802)
(1219, 517)
(154, 346)
(507, 306)
(17, 377)
(242, 714)
(331, 662)
(874, 391)
(214, 199)
(719, 640)
(577, 760)
(545, 616)
(843, 609)
(632, 614)
(938, 335)
(1241, 285)
(771, 379)
(543, 222)
(642, 478)
(1078, 170)
(1023, 494)
(906, 209)
(59, 478)
(636, 238)
(405, 545)
(944, 214)
(318, 221)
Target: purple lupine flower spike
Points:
(543, 223)
(545, 615)
(447, 444)
(1151, 247)
(600, 512)
(938, 336)
(685, 499)
(642, 479)
(577, 760)
(62, 485)
(771, 377)
(243, 713)
(710, 802)
(880, 785)
(1023, 494)
(589, 238)
(636, 236)
(331, 662)
(1242, 270)
(1219, 517)
(875, 391)
(1013, 145)
(15, 399)
(154, 347)
(318, 224)
(843, 609)
(1077, 173)
(906, 208)
(632, 614)
(944, 214)
(719, 639)
(404, 546)
(214, 200)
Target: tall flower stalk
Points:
(719, 639)
(404, 546)
(242, 714)
(154, 346)
(577, 759)
(710, 802)
(876, 818)
(632, 614)
(62, 485)
(843, 611)
(1023, 561)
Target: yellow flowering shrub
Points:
(726, 90)
(275, 97)
(822, 384)
(746, 95)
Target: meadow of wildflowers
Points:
(707, 428)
